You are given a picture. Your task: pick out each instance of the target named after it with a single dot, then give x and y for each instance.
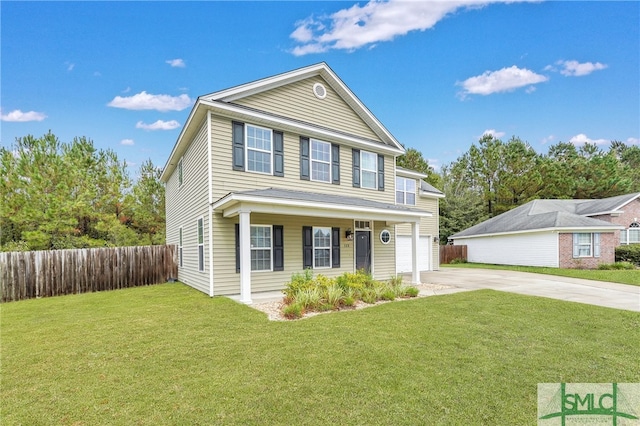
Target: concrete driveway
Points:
(600, 293)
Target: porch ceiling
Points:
(300, 203)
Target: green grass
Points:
(168, 354)
(614, 276)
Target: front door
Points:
(363, 250)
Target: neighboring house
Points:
(555, 233)
(286, 173)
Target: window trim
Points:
(200, 240)
(312, 160)
(270, 248)
(247, 148)
(328, 247)
(180, 251)
(385, 231)
(363, 170)
(404, 190)
(594, 245)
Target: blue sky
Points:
(438, 75)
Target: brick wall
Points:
(608, 242)
(631, 214)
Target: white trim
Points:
(409, 173)
(230, 206)
(270, 248)
(245, 256)
(329, 247)
(405, 192)
(200, 244)
(247, 148)
(315, 90)
(388, 232)
(210, 209)
(612, 228)
(429, 194)
(180, 247)
(180, 168)
(311, 160)
(374, 171)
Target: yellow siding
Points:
(297, 101)
(384, 262)
(227, 281)
(226, 180)
(185, 205)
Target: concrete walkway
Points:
(600, 293)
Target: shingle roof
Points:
(545, 214)
(288, 194)
(426, 187)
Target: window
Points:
(200, 245)
(180, 247)
(320, 161)
(321, 247)
(369, 169)
(260, 248)
(586, 244)
(405, 191)
(258, 149)
(180, 173)
(385, 236)
(631, 235)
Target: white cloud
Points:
(19, 116)
(70, 66)
(504, 80)
(548, 139)
(126, 142)
(494, 133)
(435, 163)
(374, 22)
(577, 69)
(633, 141)
(176, 63)
(158, 125)
(581, 139)
(144, 100)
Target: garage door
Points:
(404, 253)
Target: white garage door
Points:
(404, 253)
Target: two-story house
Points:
(287, 173)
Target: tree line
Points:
(57, 195)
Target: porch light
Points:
(348, 234)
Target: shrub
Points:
(411, 291)
(616, 266)
(396, 281)
(309, 298)
(388, 294)
(457, 260)
(299, 281)
(334, 295)
(630, 253)
(293, 311)
(369, 295)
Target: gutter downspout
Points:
(210, 204)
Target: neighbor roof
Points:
(551, 214)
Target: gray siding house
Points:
(287, 173)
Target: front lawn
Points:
(613, 276)
(168, 354)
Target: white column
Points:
(415, 247)
(245, 256)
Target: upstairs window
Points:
(369, 170)
(258, 149)
(180, 173)
(405, 191)
(320, 161)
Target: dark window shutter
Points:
(380, 172)
(278, 248)
(278, 154)
(356, 168)
(335, 247)
(237, 247)
(307, 247)
(304, 158)
(238, 146)
(335, 164)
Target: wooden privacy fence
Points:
(448, 253)
(27, 275)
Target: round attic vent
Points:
(320, 91)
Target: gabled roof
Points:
(551, 214)
(425, 188)
(221, 102)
